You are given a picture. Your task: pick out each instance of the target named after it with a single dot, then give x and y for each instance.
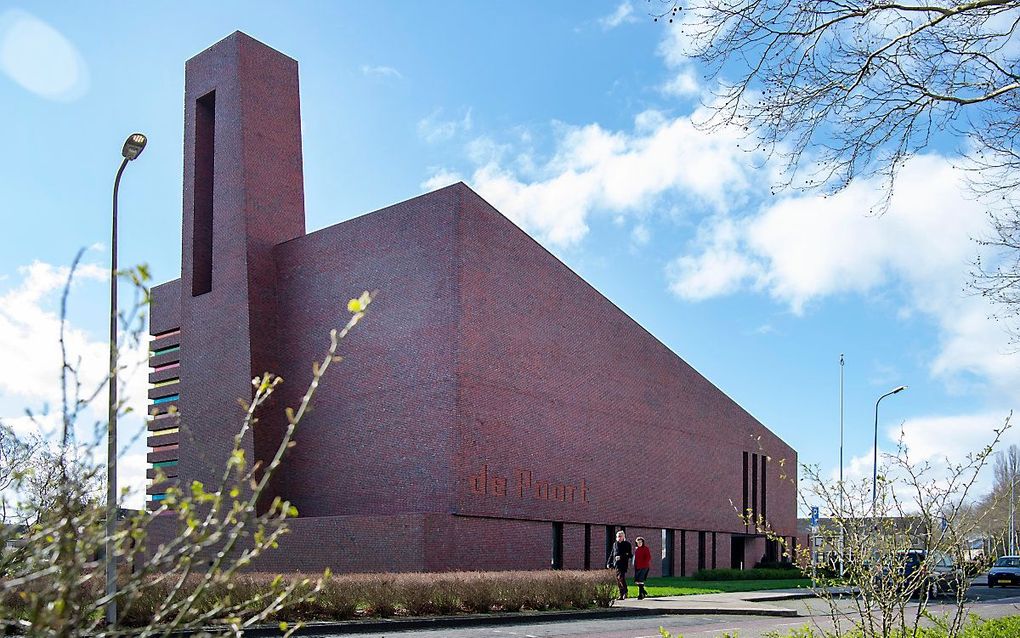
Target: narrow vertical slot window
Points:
(743, 512)
(587, 546)
(754, 489)
(668, 548)
(683, 553)
(557, 546)
(764, 492)
(701, 550)
(205, 170)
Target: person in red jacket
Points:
(642, 563)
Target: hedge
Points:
(746, 574)
(345, 597)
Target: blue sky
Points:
(574, 119)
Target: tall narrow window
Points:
(683, 553)
(667, 552)
(764, 492)
(587, 546)
(754, 488)
(610, 537)
(713, 550)
(557, 545)
(701, 550)
(202, 223)
(743, 512)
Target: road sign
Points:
(814, 516)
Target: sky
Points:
(577, 121)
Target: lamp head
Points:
(133, 146)
(899, 389)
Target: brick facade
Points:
(490, 395)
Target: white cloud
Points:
(675, 49)
(624, 13)
(40, 58)
(29, 332)
(684, 84)
(936, 438)
(381, 72)
(30, 361)
(434, 128)
(595, 169)
(440, 179)
(131, 468)
(721, 268)
(804, 248)
(939, 440)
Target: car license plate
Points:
(1006, 580)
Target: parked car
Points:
(942, 574)
(1005, 571)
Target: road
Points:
(985, 602)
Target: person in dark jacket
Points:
(619, 559)
(642, 563)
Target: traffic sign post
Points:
(814, 542)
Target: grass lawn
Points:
(688, 586)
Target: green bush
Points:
(746, 574)
(776, 564)
(344, 597)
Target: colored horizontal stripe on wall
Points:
(166, 431)
(166, 399)
(163, 384)
(165, 464)
(158, 497)
(168, 333)
(167, 366)
(165, 350)
(164, 448)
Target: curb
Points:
(779, 612)
(791, 596)
(376, 625)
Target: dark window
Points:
(587, 546)
(754, 489)
(743, 512)
(683, 553)
(557, 545)
(701, 550)
(764, 492)
(737, 552)
(713, 550)
(205, 170)
(610, 537)
(668, 541)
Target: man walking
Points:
(619, 559)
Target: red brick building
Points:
(494, 411)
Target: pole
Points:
(841, 489)
(1012, 513)
(874, 471)
(111, 432)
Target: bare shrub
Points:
(54, 583)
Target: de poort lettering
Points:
(523, 484)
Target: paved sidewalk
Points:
(750, 603)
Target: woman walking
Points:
(642, 563)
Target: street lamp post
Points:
(841, 490)
(874, 471)
(133, 147)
